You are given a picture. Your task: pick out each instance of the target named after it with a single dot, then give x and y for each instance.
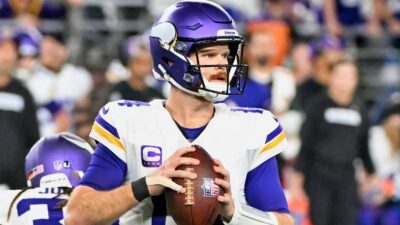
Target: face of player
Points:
(8, 57)
(343, 79)
(211, 55)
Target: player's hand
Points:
(228, 207)
(168, 169)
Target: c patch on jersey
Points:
(151, 156)
(210, 189)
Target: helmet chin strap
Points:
(215, 86)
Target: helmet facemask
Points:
(235, 70)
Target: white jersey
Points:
(65, 88)
(33, 207)
(143, 135)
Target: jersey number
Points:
(41, 211)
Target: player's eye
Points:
(209, 55)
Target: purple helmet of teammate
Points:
(57, 161)
(183, 29)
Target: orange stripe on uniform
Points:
(107, 135)
(278, 139)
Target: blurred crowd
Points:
(328, 69)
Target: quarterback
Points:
(196, 48)
(53, 166)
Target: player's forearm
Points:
(90, 207)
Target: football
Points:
(199, 205)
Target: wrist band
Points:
(139, 189)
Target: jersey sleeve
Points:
(273, 140)
(106, 171)
(105, 130)
(263, 189)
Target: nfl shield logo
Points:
(58, 165)
(210, 189)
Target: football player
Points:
(195, 47)
(53, 166)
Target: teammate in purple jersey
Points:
(195, 47)
(53, 167)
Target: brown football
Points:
(199, 205)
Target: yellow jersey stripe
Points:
(278, 139)
(107, 135)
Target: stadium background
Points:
(96, 35)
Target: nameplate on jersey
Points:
(151, 155)
(349, 117)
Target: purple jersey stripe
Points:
(107, 126)
(274, 133)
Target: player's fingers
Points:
(224, 198)
(223, 184)
(185, 161)
(183, 174)
(221, 170)
(178, 153)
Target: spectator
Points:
(381, 102)
(389, 13)
(28, 51)
(350, 18)
(268, 87)
(382, 203)
(306, 16)
(139, 63)
(301, 61)
(325, 51)
(333, 135)
(18, 124)
(40, 8)
(57, 86)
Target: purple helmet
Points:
(57, 161)
(182, 29)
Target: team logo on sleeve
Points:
(151, 156)
(210, 189)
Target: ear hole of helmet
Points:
(167, 61)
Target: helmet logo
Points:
(58, 165)
(166, 34)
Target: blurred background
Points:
(62, 60)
